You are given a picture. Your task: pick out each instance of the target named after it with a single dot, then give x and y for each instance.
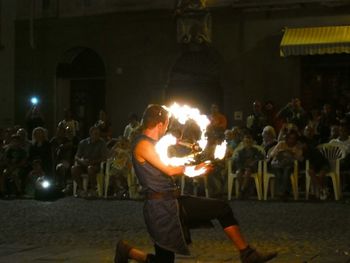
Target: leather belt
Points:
(163, 195)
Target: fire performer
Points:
(168, 216)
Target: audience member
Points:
(270, 112)
(218, 122)
(256, 121)
(327, 120)
(25, 142)
(91, 152)
(132, 126)
(318, 167)
(287, 128)
(14, 175)
(120, 168)
(40, 149)
(283, 156)
(105, 126)
(269, 138)
(62, 147)
(69, 121)
(344, 141)
(334, 133)
(34, 118)
(246, 161)
(294, 113)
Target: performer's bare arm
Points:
(145, 151)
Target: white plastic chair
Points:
(334, 153)
(232, 177)
(294, 178)
(131, 180)
(85, 177)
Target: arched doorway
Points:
(80, 86)
(195, 78)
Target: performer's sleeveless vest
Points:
(161, 216)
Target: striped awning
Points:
(315, 41)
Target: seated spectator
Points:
(91, 152)
(62, 147)
(286, 128)
(25, 143)
(34, 118)
(132, 126)
(40, 149)
(270, 112)
(230, 143)
(294, 113)
(314, 121)
(256, 121)
(334, 133)
(105, 126)
(218, 122)
(344, 141)
(246, 161)
(69, 121)
(120, 168)
(283, 156)
(269, 138)
(318, 167)
(327, 120)
(16, 169)
(310, 137)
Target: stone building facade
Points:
(122, 55)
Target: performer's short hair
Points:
(153, 115)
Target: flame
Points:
(162, 150)
(191, 171)
(183, 114)
(220, 151)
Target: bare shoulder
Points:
(142, 149)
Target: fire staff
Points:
(168, 216)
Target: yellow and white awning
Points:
(315, 41)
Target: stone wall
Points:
(139, 50)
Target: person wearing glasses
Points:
(168, 216)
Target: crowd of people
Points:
(288, 135)
(278, 136)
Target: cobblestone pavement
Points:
(78, 230)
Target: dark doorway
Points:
(195, 79)
(325, 79)
(85, 72)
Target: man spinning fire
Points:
(168, 216)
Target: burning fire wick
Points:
(183, 114)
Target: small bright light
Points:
(45, 184)
(34, 100)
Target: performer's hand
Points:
(208, 166)
(197, 170)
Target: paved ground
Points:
(77, 230)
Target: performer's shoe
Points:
(122, 252)
(250, 255)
